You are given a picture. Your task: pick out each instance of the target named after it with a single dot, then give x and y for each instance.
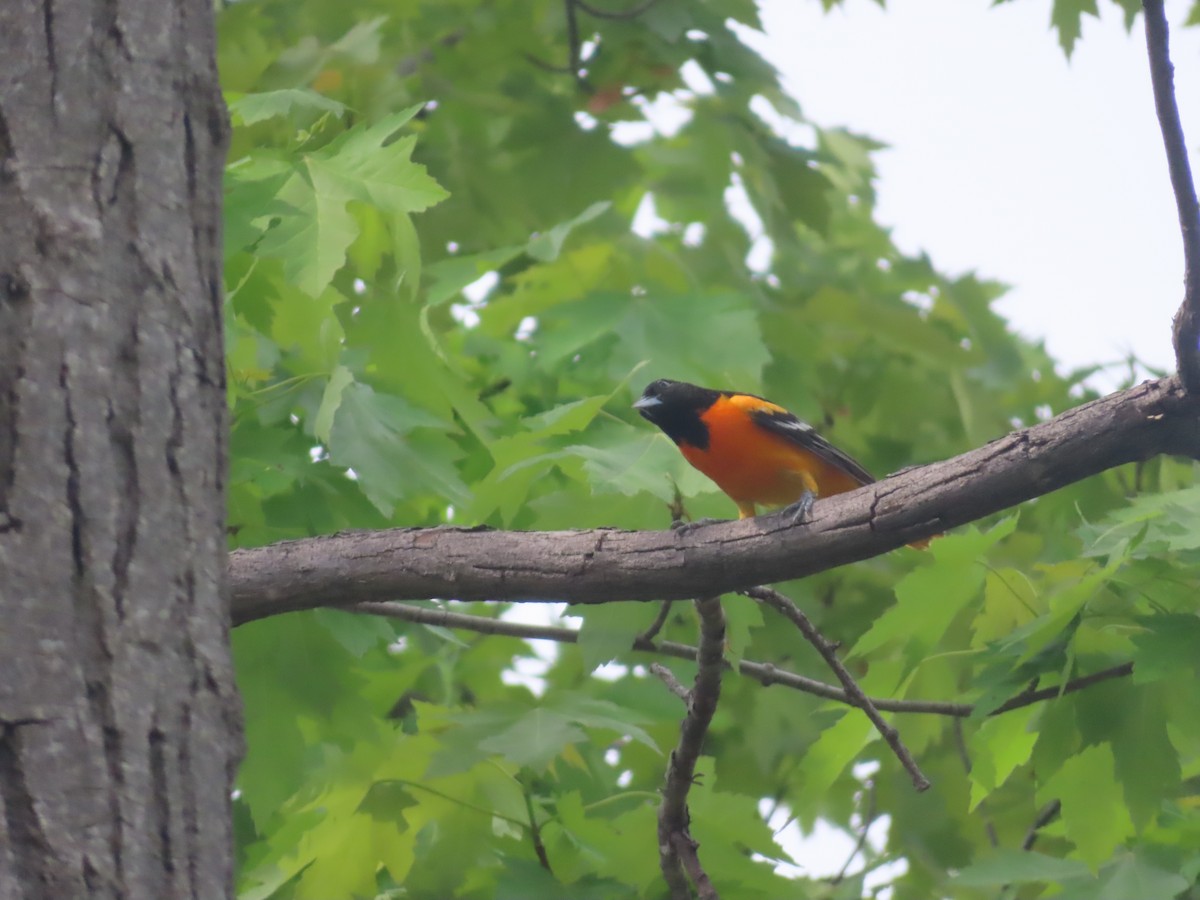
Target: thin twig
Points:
(868, 820)
(535, 832)
(660, 620)
(573, 44)
(574, 66)
(764, 673)
(1162, 79)
(622, 15)
(964, 754)
(1044, 818)
(674, 685)
(676, 848)
(547, 66)
(791, 611)
(1029, 697)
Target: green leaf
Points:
(354, 631)
(376, 169)
(394, 449)
(330, 401)
(609, 844)
(248, 109)
(1148, 526)
(742, 617)
(1167, 645)
(1009, 866)
(313, 231)
(535, 739)
(998, 747)
(593, 713)
(1067, 17)
(928, 598)
(546, 247)
(1094, 815)
(608, 631)
(315, 226)
(801, 188)
(1133, 876)
(833, 751)
(1133, 720)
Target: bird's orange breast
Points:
(751, 464)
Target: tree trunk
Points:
(119, 726)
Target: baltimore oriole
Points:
(756, 451)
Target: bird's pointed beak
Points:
(647, 402)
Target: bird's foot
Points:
(801, 510)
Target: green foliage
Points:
(386, 157)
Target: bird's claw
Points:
(801, 510)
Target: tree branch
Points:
(667, 677)
(854, 693)
(765, 674)
(601, 565)
(1162, 78)
(676, 847)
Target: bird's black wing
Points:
(778, 420)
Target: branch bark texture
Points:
(604, 564)
(118, 717)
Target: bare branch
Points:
(1162, 78)
(605, 564)
(764, 673)
(676, 847)
(854, 693)
(667, 677)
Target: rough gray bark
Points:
(119, 726)
(602, 565)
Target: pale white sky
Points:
(1009, 160)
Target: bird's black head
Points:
(676, 407)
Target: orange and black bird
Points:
(756, 451)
